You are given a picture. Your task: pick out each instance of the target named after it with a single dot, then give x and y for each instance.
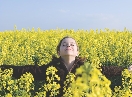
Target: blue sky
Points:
(66, 14)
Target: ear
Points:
(77, 53)
(58, 53)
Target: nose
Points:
(68, 45)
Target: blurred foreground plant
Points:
(89, 83)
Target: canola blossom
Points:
(36, 47)
(91, 83)
(33, 47)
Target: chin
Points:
(70, 55)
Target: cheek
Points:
(61, 49)
(75, 49)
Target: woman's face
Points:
(68, 47)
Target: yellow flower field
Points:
(23, 47)
(36, 47)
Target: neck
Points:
(68, 60)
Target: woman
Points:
(68, 61)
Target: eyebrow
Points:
(70, 42)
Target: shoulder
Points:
(54, 62)
(80, 61)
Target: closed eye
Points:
(72, 44)
(64, 45)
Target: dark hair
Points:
(58, 47)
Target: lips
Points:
(68, 48)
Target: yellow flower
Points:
(8, 95)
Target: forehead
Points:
(68, 40)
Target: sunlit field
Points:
(101, 47)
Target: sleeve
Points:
(38, 72)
